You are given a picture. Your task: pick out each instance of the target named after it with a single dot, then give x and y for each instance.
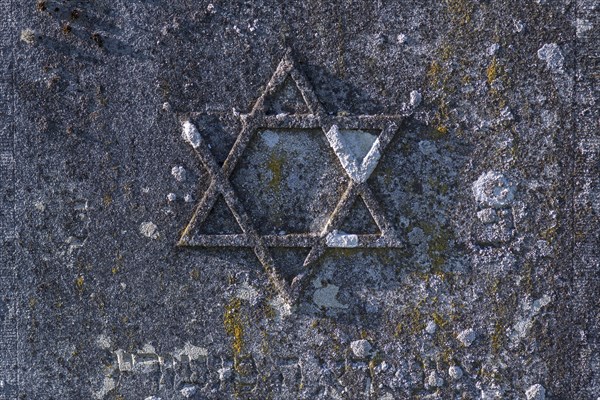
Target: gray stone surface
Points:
(311, 200)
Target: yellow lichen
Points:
(79, 283)
(493, 70)
(233, 326)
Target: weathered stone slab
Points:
(312, 200)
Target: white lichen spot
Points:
(281, 307)
(341, 239)
(191, 351)
(431, 327)
(361, 348)
(524, 324)
(107, 385)
(189, 391)
(519, 26)
(492, 189)
(402, 38)
(415, 98)
(171, 197)
(467, 337)
(550, 52)
(270, 138)
(536, 392)
(493, 49)
(326, 297)
(191, 135)
(28, 36)
(582, 26)
(455, 372)
(103, 341)
(247, 293)
(179, 173)
(39, 206)
(188, 198)
(150, 230)
(434, 380)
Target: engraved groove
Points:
(329, 236)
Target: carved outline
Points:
(318, 242)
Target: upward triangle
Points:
(288, 91)
(358, 151)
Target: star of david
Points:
(330, 236)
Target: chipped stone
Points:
(341, 239)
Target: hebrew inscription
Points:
(289, 106)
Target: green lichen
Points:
(275, 165)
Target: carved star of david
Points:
(357, 170)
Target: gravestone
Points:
(312, 200)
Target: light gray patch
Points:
(551, 53)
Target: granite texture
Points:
(299, 200)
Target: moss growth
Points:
(195, 274)
(107, 199)
(460, 10)
(497, 337)
(550, 233)
(437, 318)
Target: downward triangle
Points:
(357, 150)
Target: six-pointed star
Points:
(335, 128)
